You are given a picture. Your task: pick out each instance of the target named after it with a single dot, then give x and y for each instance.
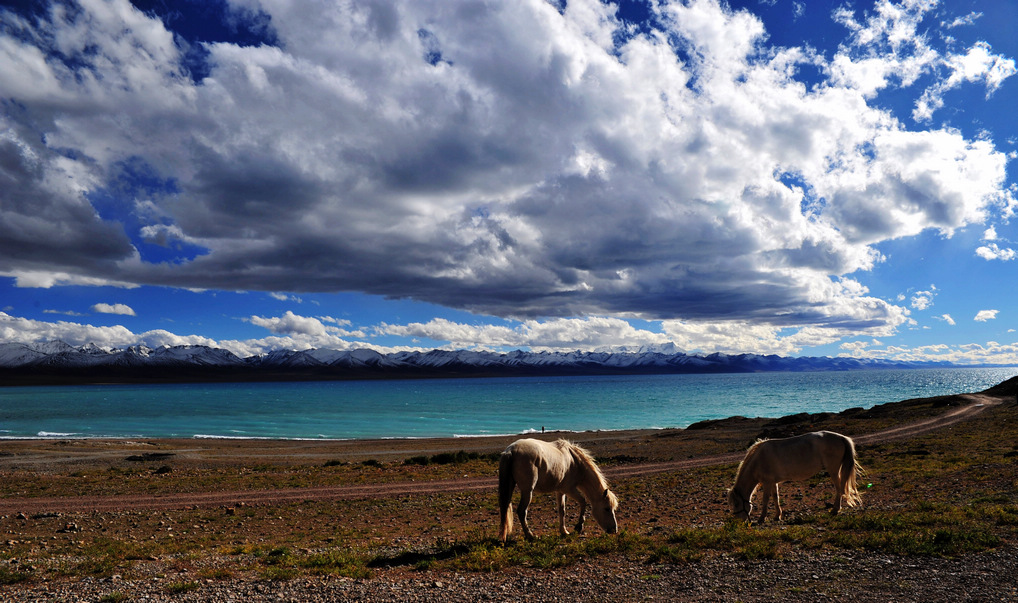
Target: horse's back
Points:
(818, 441)
(545, 464)
(799, 457)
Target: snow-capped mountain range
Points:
(39, 362)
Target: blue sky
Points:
(767, 176)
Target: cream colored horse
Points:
(770, 462)
(561, 467)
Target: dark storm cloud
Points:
(506, 158)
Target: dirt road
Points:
(973, 405)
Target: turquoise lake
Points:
(457, 407)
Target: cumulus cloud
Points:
(990, 352)
(555, 335)
(993, 251)
(985, 315)
(921, 300)
(946, 318)
(122, 309)
(290, 323)
(16, 329)
(518, 160)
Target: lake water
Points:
(456, 407)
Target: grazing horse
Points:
(770, 462)
(561, 467)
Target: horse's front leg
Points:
(583, 512)
(562, 514)
(521, 511)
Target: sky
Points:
(823, 178)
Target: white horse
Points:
(560, 467)
(770, 462)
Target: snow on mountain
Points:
(17, 354)
(57, 354)
(194, 355)
(41, 359)
(287, 358)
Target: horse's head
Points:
(741, 507)
(603, 508)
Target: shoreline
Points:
(231, 450)
(648, 445)
(213, 437)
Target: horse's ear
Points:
(605, 493)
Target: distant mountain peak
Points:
(36, 361)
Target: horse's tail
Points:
(850, 472)
(506, 484)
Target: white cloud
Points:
(553, 335)
(946, 318)
(968, 19)
(34, 279)
(519, 161)
(922, 300)
(290, 323)
(64, 312)
(16, 329)
(978, 64)
(900, 52)
(993, 251)
(990, 352)
(985, 315)
(121, 309)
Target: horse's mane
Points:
(750, 454)
(585, 458)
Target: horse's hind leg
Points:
(839, 490)
(833, 467)
(526, 495)
(562, 514)
(777, 502)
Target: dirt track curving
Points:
(974, 404)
